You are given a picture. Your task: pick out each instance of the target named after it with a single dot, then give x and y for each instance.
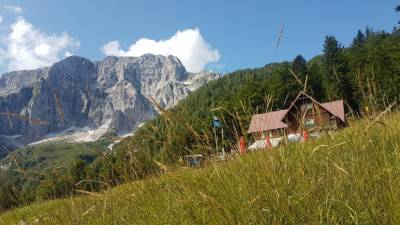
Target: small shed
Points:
(195, 160)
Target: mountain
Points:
(113, 95)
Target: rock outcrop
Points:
(76, 92)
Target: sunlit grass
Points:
(351, 177)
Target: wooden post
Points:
(222, 141)
(216, 139)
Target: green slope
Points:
(28, 165)
(368, 70)
(367, 73)
(350, 177)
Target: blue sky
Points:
(240, 34)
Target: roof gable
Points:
(335, 108)
(267, 121)
(273, 120)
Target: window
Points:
(308, 123)
(306, 106)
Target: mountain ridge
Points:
(77, 92)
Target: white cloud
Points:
(188, 45)
(13, 8)
(1, 19)
(27, 47)
(67, 54)
(112, 48)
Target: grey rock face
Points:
(12, 82)
(77, 92)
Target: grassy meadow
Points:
(349, 177)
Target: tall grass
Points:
(351, 177)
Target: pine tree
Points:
(398, 10)
(284, 84)
(315, 78)
(337, 82)
(368, 32)
(359, 40)
(299, 66)
(332, 63)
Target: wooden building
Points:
(304, 114)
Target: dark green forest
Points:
(366, 74)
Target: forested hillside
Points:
(365, 74)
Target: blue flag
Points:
(216, 122)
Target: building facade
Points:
(304, 114)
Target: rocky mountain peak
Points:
(114, 94)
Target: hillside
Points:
(366, 75)
(28, 165)
(350, 177)
(199, 112)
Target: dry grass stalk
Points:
(89, 193)
(376, 120)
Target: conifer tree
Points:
(333, 66)
(337, 82)
(359, 40)
(398, 10)
(299, 66)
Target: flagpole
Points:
(222, 141)
(216, 139)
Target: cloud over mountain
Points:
(188, 45)
(27, 47)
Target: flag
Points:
(305, 136)
(216, 122)
(268, 142)
(242, 146)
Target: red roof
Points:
(336, 108)
(268, 121)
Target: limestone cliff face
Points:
(77, 92)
